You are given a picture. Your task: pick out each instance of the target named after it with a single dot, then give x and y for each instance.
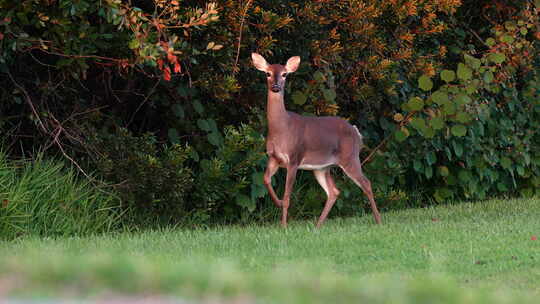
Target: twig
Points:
(28, 101)
(143, 102)
(404, 122)
(240, 34)
(79, 56)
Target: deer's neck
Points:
(275, 112)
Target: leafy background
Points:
(159, 100)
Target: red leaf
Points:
(167, 74)
(177, 68)
(534, 238)
(5, 203)
(171, 57)
(160, 63)
(1, 36)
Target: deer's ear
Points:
(292, 64)
(259, 62)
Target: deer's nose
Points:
(275, 88)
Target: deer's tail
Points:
(360, 137)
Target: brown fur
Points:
(310, 143)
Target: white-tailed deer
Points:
(310, 143)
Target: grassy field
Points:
(464, 253)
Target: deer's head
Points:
(275, 73)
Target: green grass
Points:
(462, 253)
(43, 197)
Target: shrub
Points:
(153, 180)
(229, 181)
(43, 197)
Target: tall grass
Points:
(43, 197)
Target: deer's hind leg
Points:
(326, 181)
(354, 171)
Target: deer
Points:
(310, 143)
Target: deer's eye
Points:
(284, 75)
(268, 74)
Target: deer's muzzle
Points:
(275, 88)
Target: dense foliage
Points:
(446, 93)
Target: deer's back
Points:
(325, 140)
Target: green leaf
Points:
(443, 171)
(215, 139)
(497, 58)
(520, 170)
(416, 104)
(462, 99)
(428, 132)
(448, 75)
(178, 111)
(203, 125)
(418, 123)
(458, 130)
(133, 44)
(473, 62)
(417, 165)
(440, 97)
(507, 39)
(463, 117)
(441, 194)
(212, 124)
(488, 77)
(510, 25)
(505, 162)
(464, 175)
(182, 91)
(173, 136)
(319, 76)
(464, 72)
(198, 107)
(425, 83)
(437, 123)
(449, 108)
(428, 171)
(299, 97)
(458, 148)
(471, 88)
(402, 134)
(431, 158)
(490, 42)
(329, 94)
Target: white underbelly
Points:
(313, 164)
(314, 167)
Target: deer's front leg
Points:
(289, 183)
(271, 169)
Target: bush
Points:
(152, 180)
(43, 197)
(229, 180)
